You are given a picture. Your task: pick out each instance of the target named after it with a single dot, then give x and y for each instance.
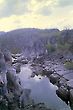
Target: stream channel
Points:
(42, 91)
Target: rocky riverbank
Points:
(12, 95)
(58, 75)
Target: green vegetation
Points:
(64, 48)
(15, 50)
(51, 48)
(65, 41)
(69, 65)
(38, 40)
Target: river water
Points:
(41, 89)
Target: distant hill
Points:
(34, 40)
(2, 32)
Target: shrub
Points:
(15, 50)
(64, 48)
(50, 48)
(69, 65)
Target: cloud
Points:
(35, 13)
(24, 21)
(7, 7)
(13, 7)
(64, 3)
(42, 7)
(21, 7)
(45, 11)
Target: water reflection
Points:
(41, 89)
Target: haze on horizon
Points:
(16, 14)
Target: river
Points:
(41, 89)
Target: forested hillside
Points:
(38, 41)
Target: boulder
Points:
(25, 97)
(3, 104)
(71, 99)
(24, 61)
(3, 72)
(63, 93)
(17, 66)
(7, 57)
(2, 64)
(47, 72)
(62, 81)
(54, 78)
(70, 83)
(20, 61)
(9, 96)
(13, 82)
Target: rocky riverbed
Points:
(15, 88)
(12, 95)
(41, 89)
(58, 75)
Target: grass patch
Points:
(69, 65)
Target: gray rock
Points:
(54, 78)
(2, 64)
(25, 97)
(71, 99)
(3, 71)
(24, 61)
(69, 76)
(62, 81)
(1, 98)
(17, 66)
(63, 93)
(70, 83)
(13, 82)
(7, 57)
(10, 97)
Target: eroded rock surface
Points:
(58, 75)
(12, 95)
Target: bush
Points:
(69, 65)
(15, 50)
(50, 48)
(64, 48)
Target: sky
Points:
(42, 14)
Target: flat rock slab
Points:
(68, 76)
(61, 72)
(70, 83)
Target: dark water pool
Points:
(41, 89)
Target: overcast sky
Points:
(36, 14)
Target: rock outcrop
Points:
(12, 95)
(59, 76)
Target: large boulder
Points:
(13, 82)
(47, 72)
(71, 99)
(63, 93)
(25, 98)
(70, 83)
(2, 64)
(3, 72)
(7, 57)
(17, 66)
(54, 78)
(62, 81)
